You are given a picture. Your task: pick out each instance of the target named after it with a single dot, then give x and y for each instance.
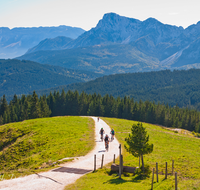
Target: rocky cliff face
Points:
(118, 29)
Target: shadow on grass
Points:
(124, 179)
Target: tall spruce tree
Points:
(45, 111)
(35, 111)
(4, 105)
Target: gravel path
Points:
(68, 173)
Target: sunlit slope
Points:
(168, 146)
(30, 145)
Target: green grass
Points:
(35, 145)
(168, 146)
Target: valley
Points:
(56, 81)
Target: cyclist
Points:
(112, 132)
(106, 139)
(101, 133)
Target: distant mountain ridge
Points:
(15, 42)
(114, 28)
(168, 46)
(104, 59)
(57, 43)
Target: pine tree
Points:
(1, 120)
(12, 112)
(75, 103)
(83, 103)
(4, 105)
(99, 107)
(51, 103)
(35, 111)
(5, 117)
(45, 111)
(26, 109)
(91, 108)
(138, 142)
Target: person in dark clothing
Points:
(106, 139)
(101, 133)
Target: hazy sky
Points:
(87, 13)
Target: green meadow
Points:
(37, 145)
(184, 149)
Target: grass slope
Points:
(168, 146)
(32, 145)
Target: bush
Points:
(146, 173)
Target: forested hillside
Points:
(180, 88)
(73, 103)
(21, 77)
(105, 59)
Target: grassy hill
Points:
(168, 145)
(172, 87)
(20, 77)
(34, 145)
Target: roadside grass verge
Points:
(168, 145)
(37, 145)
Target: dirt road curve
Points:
(68, 173)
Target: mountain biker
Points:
(106, 139)
(101, 133)
(112, 132)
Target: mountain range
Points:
(116, 45)
(119, 44)
(15, 42)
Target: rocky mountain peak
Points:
(114, 21)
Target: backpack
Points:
(113, 132)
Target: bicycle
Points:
(106, 145)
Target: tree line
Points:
(178, 87)
(73, 103)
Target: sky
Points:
(86, 13)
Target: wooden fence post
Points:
(166, 171)
(120, 161)
(152, 180)
(121, 164)
(172, 167)
(95, 162)
(114, 159)
(176, 183)
(157, 170)
(102, 161)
